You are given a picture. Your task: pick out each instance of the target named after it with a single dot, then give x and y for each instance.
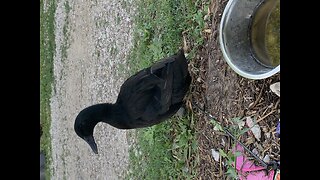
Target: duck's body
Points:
(147, 98)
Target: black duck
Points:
(149, 97)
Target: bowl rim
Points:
(227, 57)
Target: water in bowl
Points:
(265, 33)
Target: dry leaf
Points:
(275, 88)
(254, 128)
(207, 31)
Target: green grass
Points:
(47, 48)
(159, 27)
(167, 150)
(164, 151)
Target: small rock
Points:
(267, 135)
(185, 169)
(206, 17)
(266, 159)
(264, 129)
(180, 112)
(255, 151)
(241, 124)
(215, 155)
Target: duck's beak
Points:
(92, 143)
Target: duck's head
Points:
(84, 126)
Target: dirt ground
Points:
(226, 95)
(92, 40)
(86, 75)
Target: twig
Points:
(265, 116)
(259, 96)
(266, 149)
(264, 112)
(277, 103)
(276, 143)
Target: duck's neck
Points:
(108, 113)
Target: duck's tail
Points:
(181, 53)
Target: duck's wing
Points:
(147, 94)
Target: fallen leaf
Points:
(250, 140)
(275, 88)
(208, 31)
(217, 126)
(223, 143)
(254, 128)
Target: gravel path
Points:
(93, 39)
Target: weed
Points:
(231, 162)
(231, 156)
(167, 150)
(47, 47)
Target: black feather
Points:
(147, 98)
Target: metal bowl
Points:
(235, 37)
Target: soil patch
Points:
(226, 95)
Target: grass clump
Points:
(167, 150)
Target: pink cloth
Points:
(247, 170)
